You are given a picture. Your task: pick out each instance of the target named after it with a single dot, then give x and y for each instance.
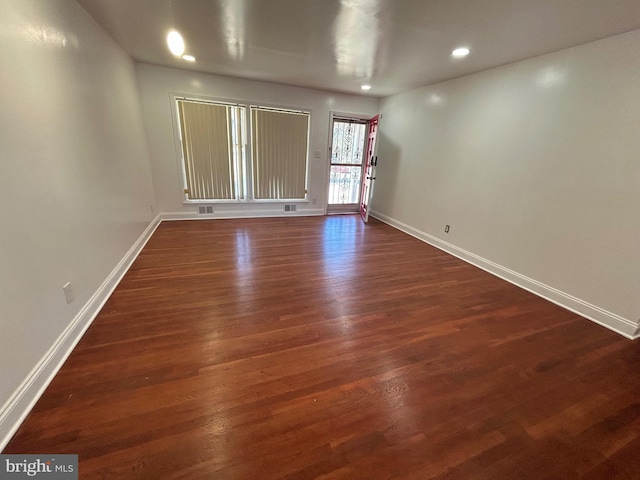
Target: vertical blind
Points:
(279, 153)
(211, 134)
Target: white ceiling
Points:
(338, 45)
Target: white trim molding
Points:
(228, 214)
(618, 324)
(22, 401)
(16, 409)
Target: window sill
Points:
(243, 202)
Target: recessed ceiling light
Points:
(175, 43)
(189, 58)
(460, 52)
(366, 87)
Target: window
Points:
(280, 141)
(212, 150)
(214, 141)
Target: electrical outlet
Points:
(317, 154)
(68, 292)
(151, 206)
(446, 229)
(314, 201)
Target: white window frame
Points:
(250, 151)
(247, 183)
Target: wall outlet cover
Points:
(68, 292)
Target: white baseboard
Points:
(229, 214)
(18, 406)
(618, 324)
(16, 409)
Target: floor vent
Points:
(290, 208)
(205, 210)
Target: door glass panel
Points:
(344, 184)
(348, 142)
(347, 152)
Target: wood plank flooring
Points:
(303, 348)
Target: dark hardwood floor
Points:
(305, 348)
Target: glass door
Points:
(347, 157)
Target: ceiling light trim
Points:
(175, 42)
(460, 52)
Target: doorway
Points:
(348, 143)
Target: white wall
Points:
(156, 85)
(76, 184)
(536, 167)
